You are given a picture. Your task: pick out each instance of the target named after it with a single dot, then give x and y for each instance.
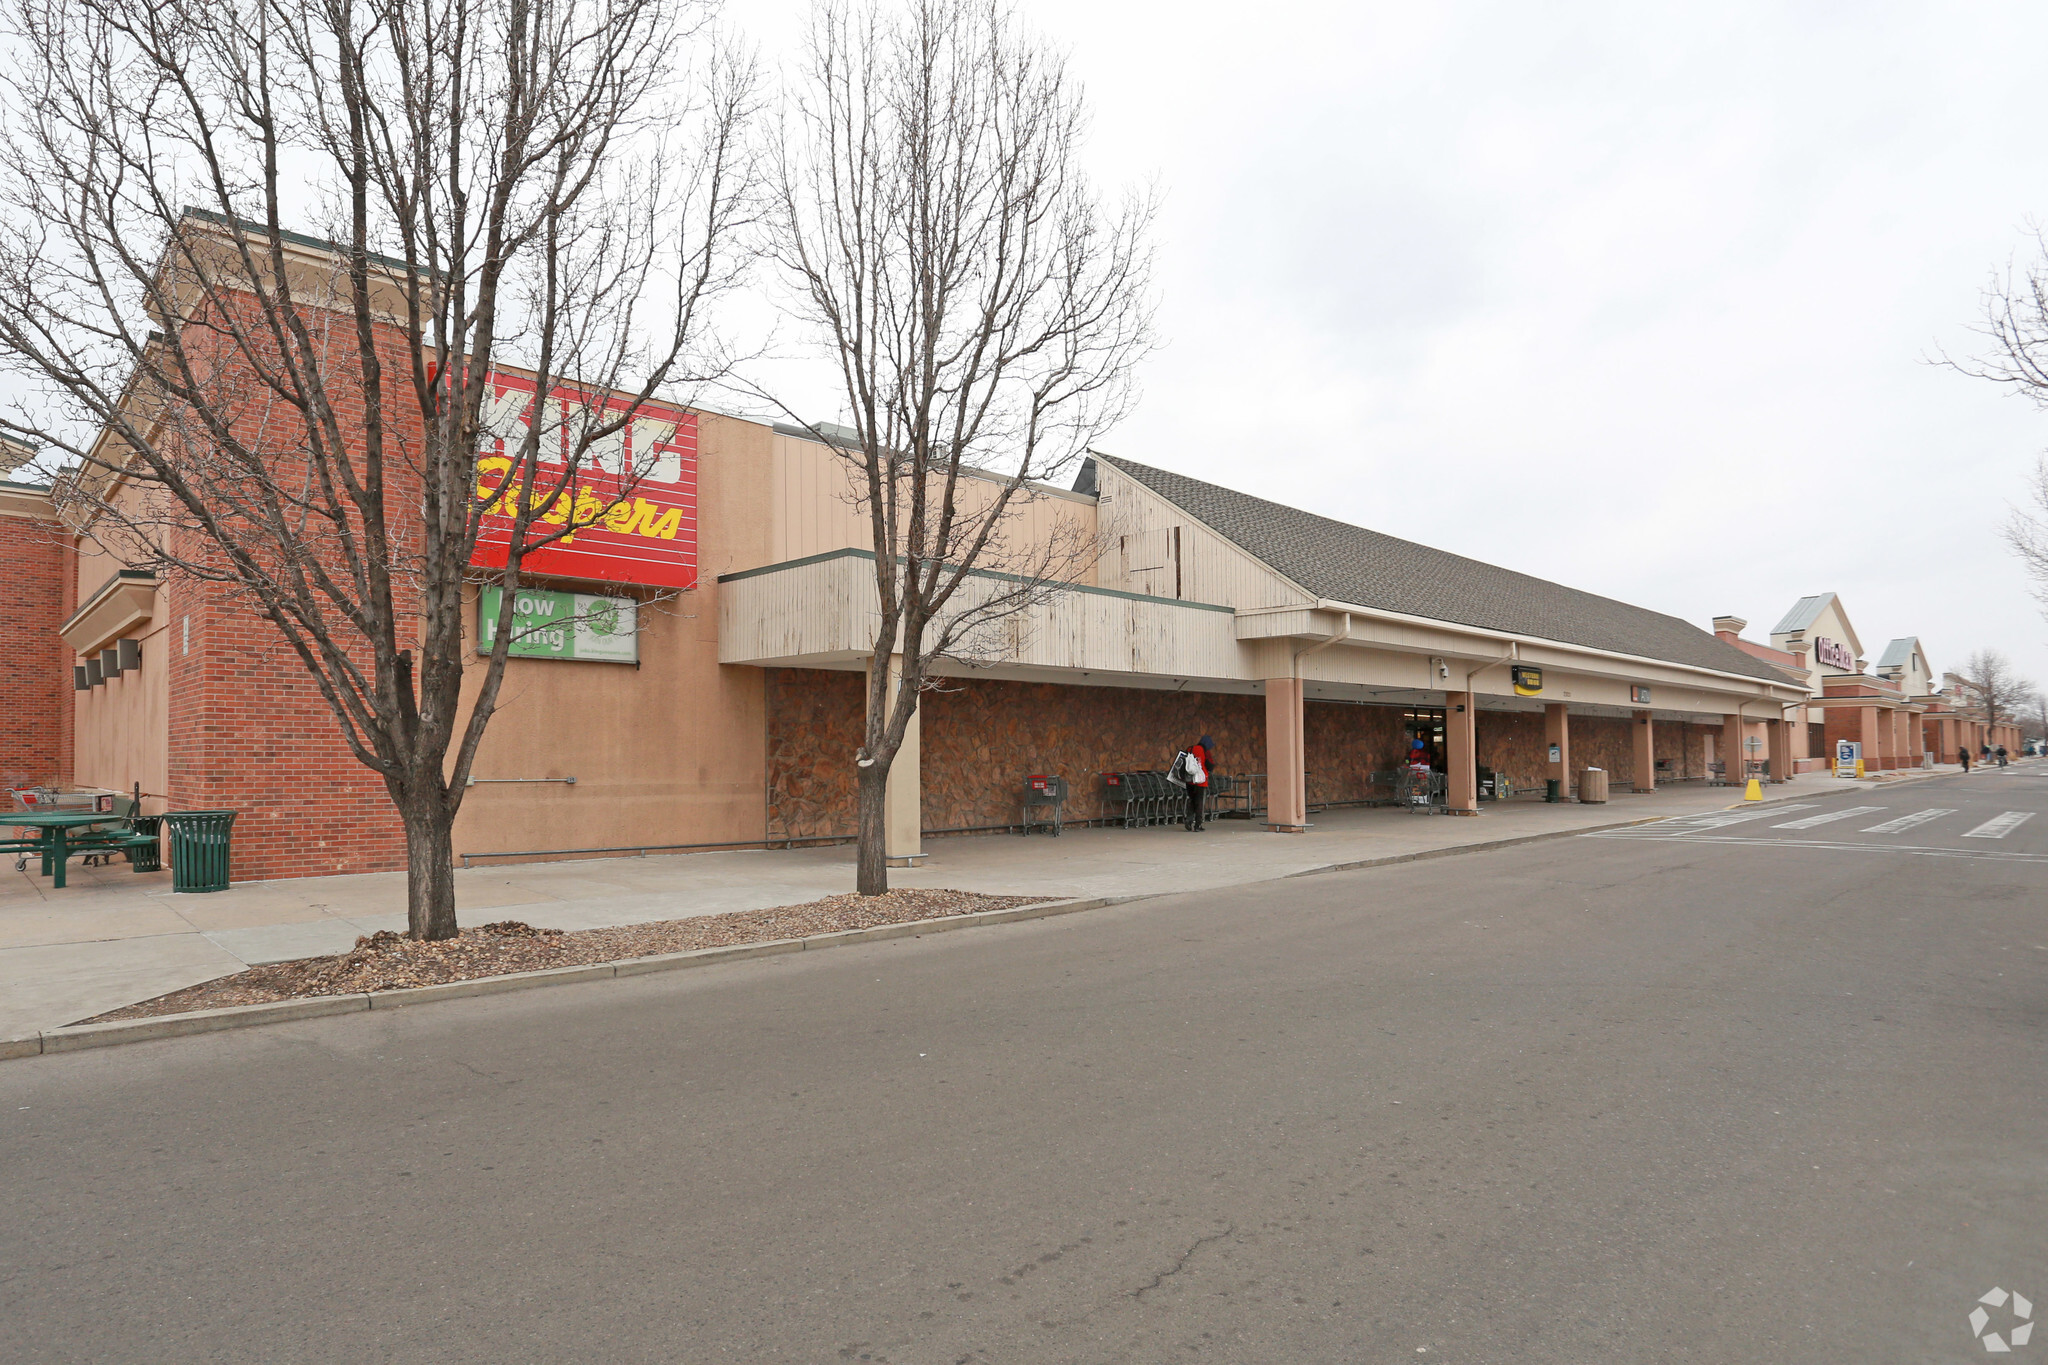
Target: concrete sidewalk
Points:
(113, 937)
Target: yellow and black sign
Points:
(1528, 681)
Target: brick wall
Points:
(249, 731)
(248, 727)
(35, 668)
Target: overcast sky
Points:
(1638, 298)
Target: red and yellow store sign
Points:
(633, 500)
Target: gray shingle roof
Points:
(1803, 614)
(1899, 652)
(1346, 563)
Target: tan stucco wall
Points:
(673, 751)
(122, 734)
(123, 730)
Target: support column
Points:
(1778, 749)
(1461, 753)
(1732, 752)
(1945, 751)
(1644, 765)
(1866, 735)
(1888, 736)
(903, 800)
(1557, 736)
(1286, 763)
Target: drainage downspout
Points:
(1343, 634)
(1514, 653)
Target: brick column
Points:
(1645, 762)
(1733, 753)
(1286, 765)
(1461, 759)
(1778, 749)
(1866, 735)
(1557, 737)
(1948, 745)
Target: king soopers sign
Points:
(634, 499)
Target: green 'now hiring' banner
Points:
(564, 625)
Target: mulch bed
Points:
(386, 961)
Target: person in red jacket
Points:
(1205, 750)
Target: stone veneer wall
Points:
(814, 726)
(1513, 742)
(982, 737)
(1345, 744)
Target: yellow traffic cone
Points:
(1754, 791)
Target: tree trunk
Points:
(872, 878)
(429, 869)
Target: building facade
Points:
(726, 709)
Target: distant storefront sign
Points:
(1528, 680)
(633, 498)
(1639, 695)
(563, 625)
(1834, 654)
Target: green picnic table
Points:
(55, 844)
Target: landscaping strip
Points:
(136, 1030)
(127, 1026)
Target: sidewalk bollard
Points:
(1753, 792)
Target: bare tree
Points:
(2027, 530)
(2016, 325)
(984, 310)
(548, 189)
(1995, 687)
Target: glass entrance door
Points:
(1423, 736)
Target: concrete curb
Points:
(78, 1037)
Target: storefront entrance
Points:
(1423, 736)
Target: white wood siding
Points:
(1155, 548)
(816, 501)
(826, 612)
(820, 611)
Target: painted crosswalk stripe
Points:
(1679, 824)
(2000, 825)
(1829, 817)
(1913, 821)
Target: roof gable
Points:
(1803, 613)
(1345, 563)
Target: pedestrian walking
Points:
(1963, 757)
(2001, 755)
(1203, 762)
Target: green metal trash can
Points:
(1552, 789)
(147, 857)
(199, 849)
